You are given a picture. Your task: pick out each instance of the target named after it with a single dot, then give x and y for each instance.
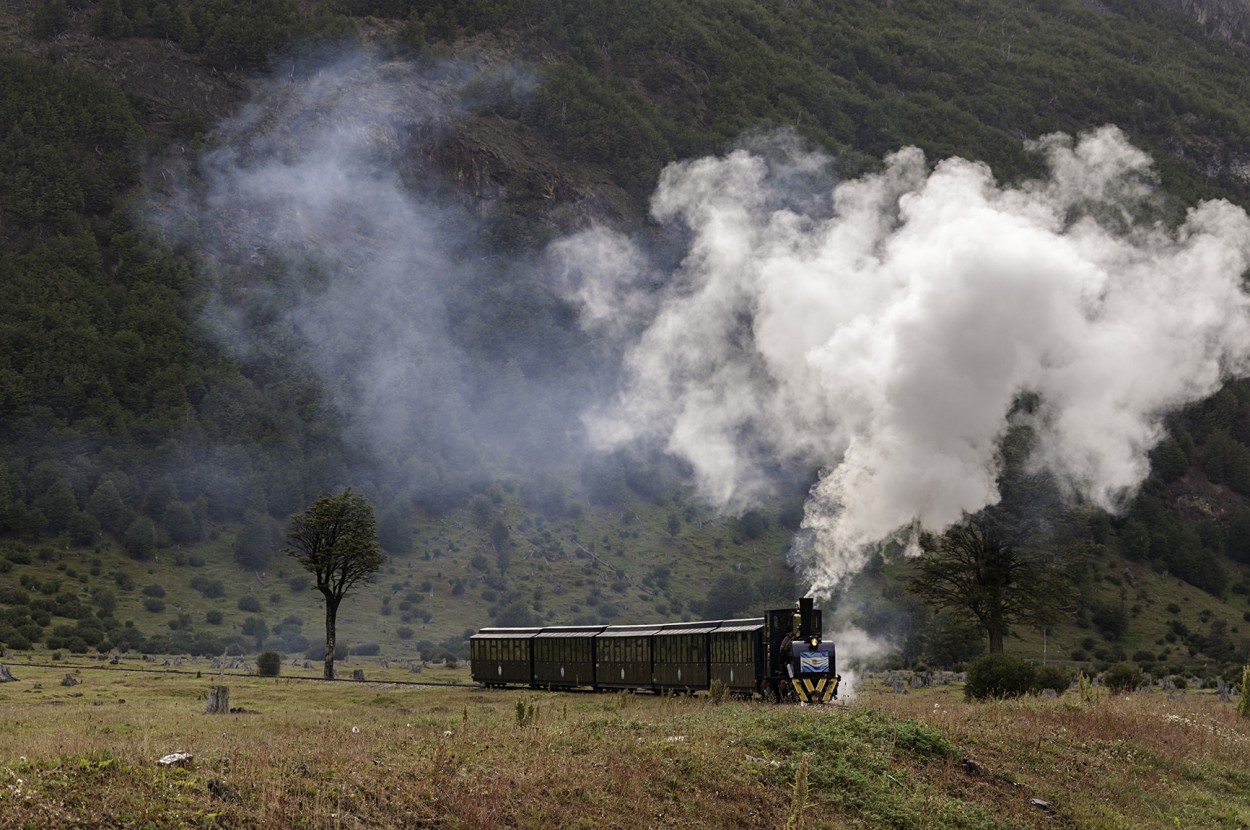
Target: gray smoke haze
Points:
(885, 331)
(333, 239)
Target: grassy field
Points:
(305, 753)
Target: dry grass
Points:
(1139, 760)
(356, 755)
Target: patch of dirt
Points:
(167, 79)
(1196, 497)
(494, 162)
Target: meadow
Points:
(316, 754)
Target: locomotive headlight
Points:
(814, 642)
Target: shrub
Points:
(14, 639)
(1122, 677)
(210, 588)
(404, 633)
(249, 603)
(269, 664)
(213, 617)
(154, 604)
(317, 651)
(998, 676)
(367, 650)
(1051, 677)
(154, 591)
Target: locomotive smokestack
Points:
(807, 616)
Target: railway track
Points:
(236, 674)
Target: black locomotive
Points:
(781, 656)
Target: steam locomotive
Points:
(780, 656)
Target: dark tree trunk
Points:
(332, 611)
(996, 628)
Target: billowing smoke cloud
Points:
(337, 243)
(884, 328)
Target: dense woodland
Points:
(123, 421)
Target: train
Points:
(781, 656)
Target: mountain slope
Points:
(131, 426)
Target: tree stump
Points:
(218, 700)
(5, 675)
(69, 680)
(358, 674)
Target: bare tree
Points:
(335, 540)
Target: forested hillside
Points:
(154, 414)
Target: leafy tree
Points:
(335, 540)
(107, 506)
(971, 570)
(58, 506)
(140, 538)
(179, 522)
(729, 595)
(83, 528)
(256, 627)
(254, 544)
(516, 615)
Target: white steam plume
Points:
(884, 336)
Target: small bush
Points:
(154, 604)
(1123, 677)
(1051, 677)
(269, 664)
(213, 617)
(210, 588)
(317, 651)
(154, 591)
(367, 650)
(405, 633)
(249, 603)
(998, 676)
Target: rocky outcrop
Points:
(1226, 19)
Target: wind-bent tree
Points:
(335, 540)
(971, 570)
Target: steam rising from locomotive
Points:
(885, 328)
(881, 329)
